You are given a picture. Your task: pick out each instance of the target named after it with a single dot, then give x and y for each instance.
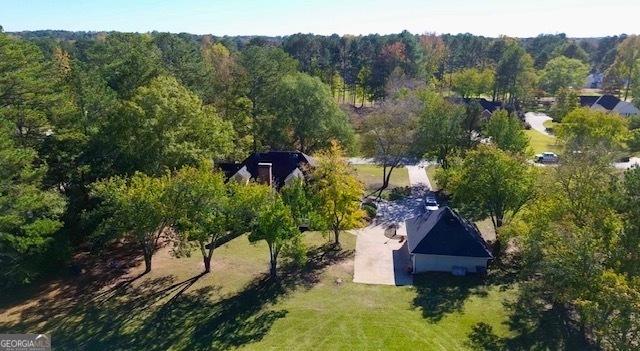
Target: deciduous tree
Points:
(275, 225)
(440, 128)
(337, 191)
(563, 72)
(489, 182)
(506, 132)
(165, 126)
(134, 208)
(390, 134)
(305, 116)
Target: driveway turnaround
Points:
(536, 121)
(380, 260)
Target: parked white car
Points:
(547, 157)
(430, 203)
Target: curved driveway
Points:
(536, 121)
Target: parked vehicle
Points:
(430, 203)
(547, 157)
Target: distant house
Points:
(609, 103)
(443, 241)
(487, 107)
(275, 168)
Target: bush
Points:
(399, 193)
(634, 141)
(371, 209)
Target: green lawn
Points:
(550, 124)
(540, 142)
(431, 174)
(371, 176)
(316, 307)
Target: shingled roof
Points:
(490, 106)
(588, 100)
(445, 232)
(609, 102)
(283, 164)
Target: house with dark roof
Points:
(488, 107)
(444, 241)
(609, 103)
(588, 100)
(275, 168)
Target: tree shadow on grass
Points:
(160, 313)
(534, 326)
(439, 294)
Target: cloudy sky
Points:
(522, 18)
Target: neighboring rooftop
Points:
(588, 100)
(445, 232)
(609, 102)
(490, 106)
(284, 164)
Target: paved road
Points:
(536, 121)
(360, 161)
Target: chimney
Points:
(264, 173)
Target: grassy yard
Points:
(371, 176)
(540, 142)
(315, 307)
(431, 174)
(550, 124)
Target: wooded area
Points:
(116, 136)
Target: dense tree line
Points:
(358, 68)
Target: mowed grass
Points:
(431, 174)
(540, 143)
(236, 307)
(371, 176)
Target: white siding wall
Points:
(438, 263)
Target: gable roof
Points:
(490, 106)
(588, 100)
(283, 164)
(609, 102)
(445, 232)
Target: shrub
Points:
(399, 193)
(371, 209)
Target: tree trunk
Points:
(147, 260)
(626, 89)
(336, 236)
(207, 264)
(273, 261)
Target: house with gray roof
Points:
(444, 241)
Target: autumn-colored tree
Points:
(337, 191)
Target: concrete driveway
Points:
(536, 121)
(380, 260)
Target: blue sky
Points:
(577, 18)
